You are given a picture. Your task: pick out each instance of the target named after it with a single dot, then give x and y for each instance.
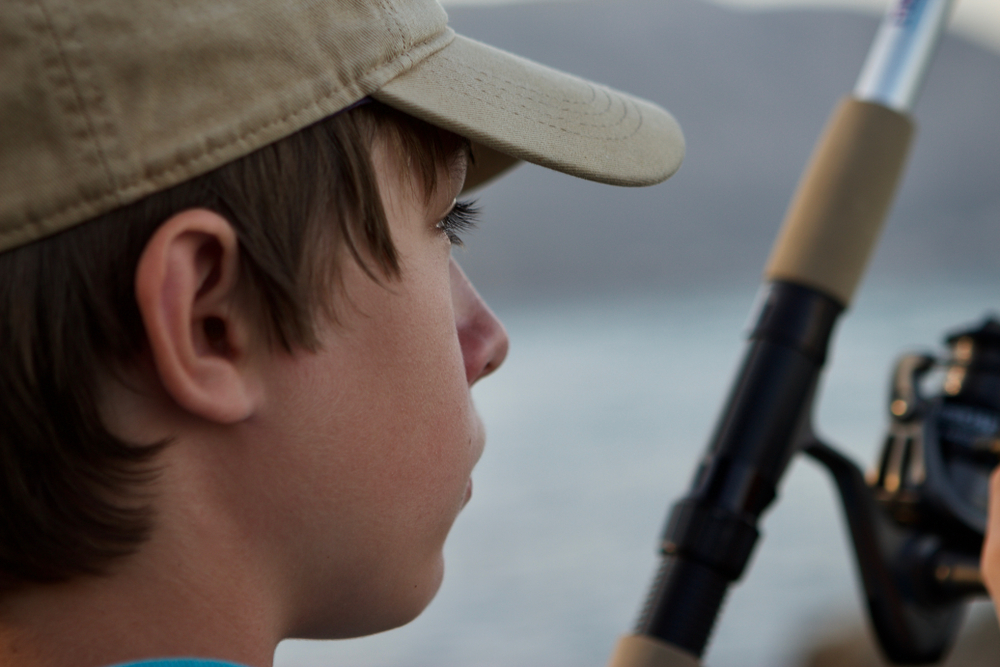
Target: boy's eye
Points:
(462, 217)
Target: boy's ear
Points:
(199, 335)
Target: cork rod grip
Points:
(643, 651)
(837, 212)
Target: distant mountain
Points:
(752, 92)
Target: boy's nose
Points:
(481, 335)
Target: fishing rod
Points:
(816, 264)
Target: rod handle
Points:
(643, 651)
(835, 217)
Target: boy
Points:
(237, 354)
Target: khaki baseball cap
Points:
(103, 102)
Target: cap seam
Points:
(74, 85)
(393, 24)
(122, 190)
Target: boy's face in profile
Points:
(363, 449)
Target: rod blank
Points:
(899, 57)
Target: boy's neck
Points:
(181, 595)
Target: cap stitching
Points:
(75, 87)
(394, 26)
(620, 137)
(533, 93)
(492, 75)
(404, 34)
(123, 188)
(620, 120)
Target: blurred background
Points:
(627, 309)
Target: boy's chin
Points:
(415, 601)
(406, 605)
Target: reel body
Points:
(934, 469)
(918, 518)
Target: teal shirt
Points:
(179, 662)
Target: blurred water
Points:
(595, 424)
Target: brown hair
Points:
(71, 493)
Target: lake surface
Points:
(595, 423)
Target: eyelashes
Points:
(462, 217)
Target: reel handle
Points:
(905, 401)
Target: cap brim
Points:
(527, 111)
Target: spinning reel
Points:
(918, 519)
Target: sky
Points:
(976, 20)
